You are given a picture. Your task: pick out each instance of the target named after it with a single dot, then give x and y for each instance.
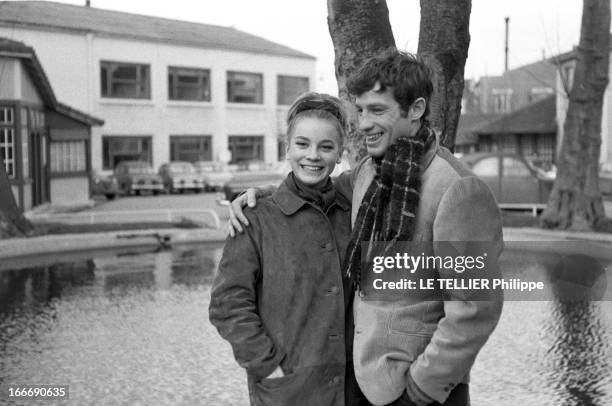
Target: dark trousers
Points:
(352, 394)
(460, 396)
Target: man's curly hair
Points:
(403, 72)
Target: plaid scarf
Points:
(388, 209)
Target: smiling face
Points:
(382, 120)
(314, 148)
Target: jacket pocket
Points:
(408, 321)
(285, 390)
(277, 383)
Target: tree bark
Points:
(575, 202)
(444, 38)
(359, 29)
(12, 221)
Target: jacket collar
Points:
(289, 202)
(431, 152)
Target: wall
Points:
(29, 94)
(69, 190)
(73, 67)
(9, 80)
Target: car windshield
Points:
(203, 167)
(140, 170)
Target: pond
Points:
(132, 328)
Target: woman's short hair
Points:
(317, 105)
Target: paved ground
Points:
(190, 201)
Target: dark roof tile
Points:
(535, 118)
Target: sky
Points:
(537, 27)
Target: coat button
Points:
(336, 380)
(326, 246)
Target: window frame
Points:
(142, 82)
(80, 163)
(203, 85)
(230, 79)
(259, 146)
(106, 161)
(175, 140)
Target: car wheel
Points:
(137, 192)
(110, 196)
(155, 192)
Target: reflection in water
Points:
(132, 328)
(553, 352)
(578, 360)
(128, 328)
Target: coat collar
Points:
(431, 152)
(289, 202)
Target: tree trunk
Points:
(359, 29)
(12, 221)
(575, 202)
(444, 39)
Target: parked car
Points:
(512, 179)
(136, 177)
(213, 174)
(104, 185)
(243, 180)
(180, 176)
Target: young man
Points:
(412, 351)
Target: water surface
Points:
(132, 328)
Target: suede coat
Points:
(434, 341)
(278, 299)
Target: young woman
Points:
(278, 295)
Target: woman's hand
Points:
(236, 216)
(237, 219)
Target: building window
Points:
(7, 140)
(246, 148)
(25, 150)
(546, 146)
(502, 99)
(289, 88)
(190, 148)
(125, 80)
(6, 116)
(188, 84)
(7, 150)
(244, 87)
(509, 144)
(540, 93)
(116, 149)
(68, 156)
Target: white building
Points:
(166, 89)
